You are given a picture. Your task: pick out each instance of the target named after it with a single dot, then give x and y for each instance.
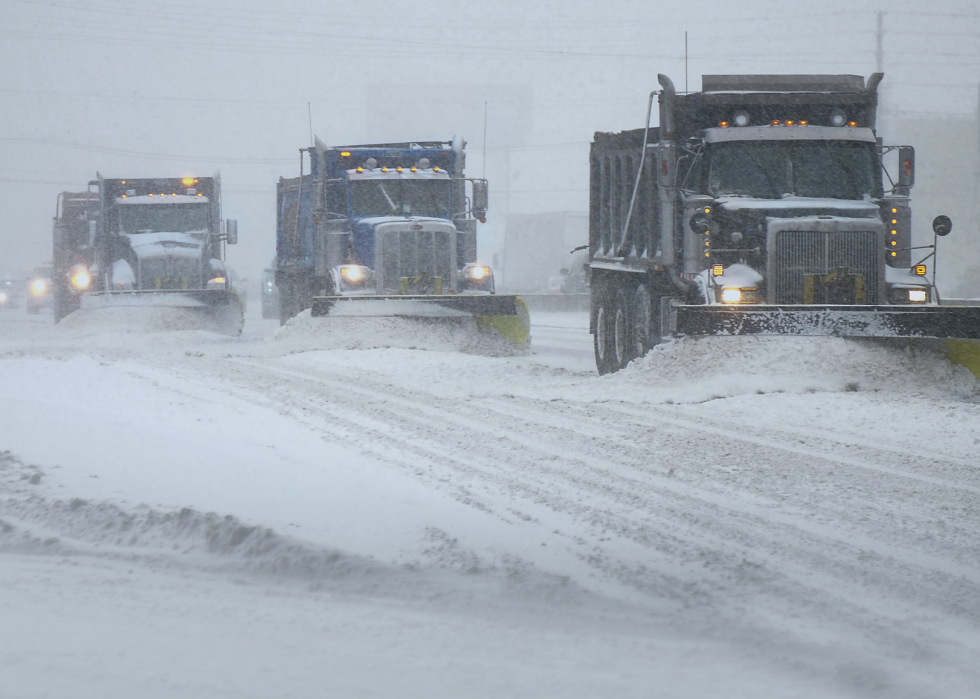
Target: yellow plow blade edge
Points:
(965, 353)
(516, 328)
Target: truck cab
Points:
(380, 220)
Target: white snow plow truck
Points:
(760, 205)
(143, 243)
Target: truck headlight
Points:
(731, 295)
(353, 273)
(476, 272)
(80, 279)
(38, 287)
(917, 295)
(3, 297)
(217, 283)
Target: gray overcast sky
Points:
(159, 89)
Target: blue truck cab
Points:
(379, 220)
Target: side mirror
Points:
(942, 225)
(231, 231)
(906, 167)
(700, 223)
(481, 199)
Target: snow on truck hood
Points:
(162, 199)
(172, 244)
(424, 220)
(787, 205)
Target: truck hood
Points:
(166, 244)
(798, 207)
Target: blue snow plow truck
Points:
(389, 229)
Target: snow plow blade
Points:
(943, 322)
(958, 326)
(221, 310)
(506, 316)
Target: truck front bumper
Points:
(838, 321)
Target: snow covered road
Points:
(385, 516)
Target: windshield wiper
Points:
(391, 201)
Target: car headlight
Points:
(80, 278)
(38, 287)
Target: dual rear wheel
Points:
(627, 325)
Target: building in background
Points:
(947, 181)
(538, 246)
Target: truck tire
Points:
(602, 335)
(646, 321)
(288, 302)
(622, 348)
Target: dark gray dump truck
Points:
(760, 205)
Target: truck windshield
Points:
(774, 169)
(162, 218)
(400, 197)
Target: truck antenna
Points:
(484, 139)
(309, 115)
(685, 62)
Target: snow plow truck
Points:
(143, 243)
(389, 230)
(760, 205)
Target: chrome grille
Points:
(800, 253)
(411, 254)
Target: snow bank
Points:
(358, 333)
(700, 369)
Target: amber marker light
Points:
(717, 270)
(188, 181)
(345, 153)
(804, 122)
(920, 270)
(852, 123)
(723, 124)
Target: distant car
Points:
(39, 291)
(9, 290)
(270, 292)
